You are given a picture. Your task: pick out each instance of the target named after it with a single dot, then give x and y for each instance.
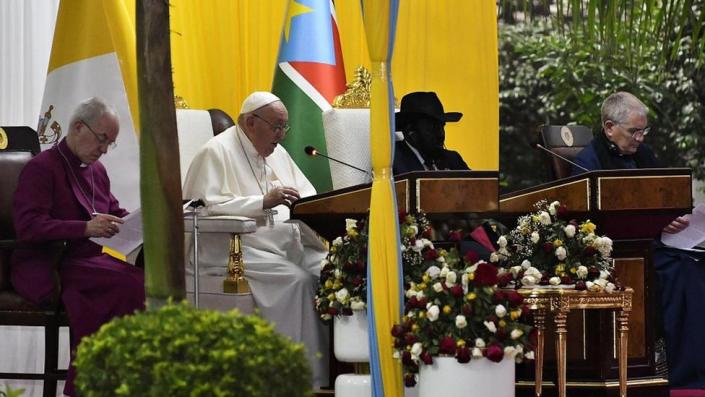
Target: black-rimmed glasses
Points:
(276, 128)
(101, 138)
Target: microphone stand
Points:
(552, 153)
(195, 204)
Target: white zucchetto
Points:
(257, 100)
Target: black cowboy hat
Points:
(416, 104)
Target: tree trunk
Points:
(160, 185)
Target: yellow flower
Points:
(460, 343)
(446, 309)
(560, 268)
(331, 297)
(421, 287)
(573, 270)
(557, 242)
(422, 314)
(471, 296)
(588, 227)
(352, 233)
(471, 276)
(426, 278)
(329, 283)
(502, 323)
(515, 314)
(415, 327)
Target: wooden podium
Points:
(631, 207)
(437, 193)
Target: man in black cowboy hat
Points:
(422, 120)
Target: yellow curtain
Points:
(224, 49)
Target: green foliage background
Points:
(556, 71)
(182, 351)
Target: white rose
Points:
(582, 272)
(350, 224)
(494, 258)
(460, 321)
(516, 333)
(432, 313)
(544, 218)
(589, 285)
(337, 273)
(529, 281)
(604, 245)
(324, 262)
(500, 311)
(569, 231)
(417, 349)
(561, 253)
(476, 353)
(418, 246)
(610, 288)
(535, 237)
(510, 352)
(554, 280)
(414, 229)
(479, 342)
(441, 259)
(433, 271)
(553, 207)
(396, 355)
(451, 277)
(420, 295)
(427, 243)
(342, 295)
(444, 271)
(502, 241)
(464, 280)
(604, 274)
(515, 270)
(533, 272)
(438, 287)
(602, 282)
(357, 305)
(490, 326)
(525, 264)
(338, 241)
(529, 355)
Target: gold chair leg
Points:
(235, 282)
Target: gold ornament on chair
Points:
(3, 139)
(357, 94)
(235, 282)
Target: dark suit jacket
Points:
(406, 161)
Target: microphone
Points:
(552, 153)
(195, 203)
(312, 151)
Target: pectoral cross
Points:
(269, 213)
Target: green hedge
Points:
(550, 78)
(182, 351)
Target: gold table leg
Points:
(539, 321)
(561, 331)
(623, 323)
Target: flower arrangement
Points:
(546, 249)
(455, 309)
(343, 283)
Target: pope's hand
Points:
(677, 225)
(280, 195)
(103, 225)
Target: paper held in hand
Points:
(691, 236)
(127, 241)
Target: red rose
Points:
(398, 330)
(580, 285)
(457, 290)
(504, 280)
(515, 299)
(409, 380)
(399, 343)
(455, 235)
(562, 211)
(447, 345)
(357, 281)
(422, 303)
(498, 297)
(402, 216)
(428, 233)
(361, 267)
(411, 303)
(501, 333)
(406, 358)
(471, 257)
(431, 255)
(467, 310)
(348, 266)
(547, 247)
(593, 272)
(566, 280)
(485, 274)
(332, 311)
(409, 339)
(462, 354)
(589, 251)
(426, 358)
(495, 353)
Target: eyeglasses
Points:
(284, 128)
(637, 132)
(102, 139)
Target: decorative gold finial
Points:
(3, 139)
(180, 102)
(358, 93)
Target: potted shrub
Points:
(182, 351)
(461, 332)
(548, 249)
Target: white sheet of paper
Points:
(692, 235)
(129, 238)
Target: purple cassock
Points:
(55, 198)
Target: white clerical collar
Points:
(247, 145)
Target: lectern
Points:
(631, 207)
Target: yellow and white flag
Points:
(94, 54)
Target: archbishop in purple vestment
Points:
(59, 193)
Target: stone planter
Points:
(480, 377)
(351, 344)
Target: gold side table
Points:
(558, 303)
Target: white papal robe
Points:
(282, 266)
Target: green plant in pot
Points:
(182, 351)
